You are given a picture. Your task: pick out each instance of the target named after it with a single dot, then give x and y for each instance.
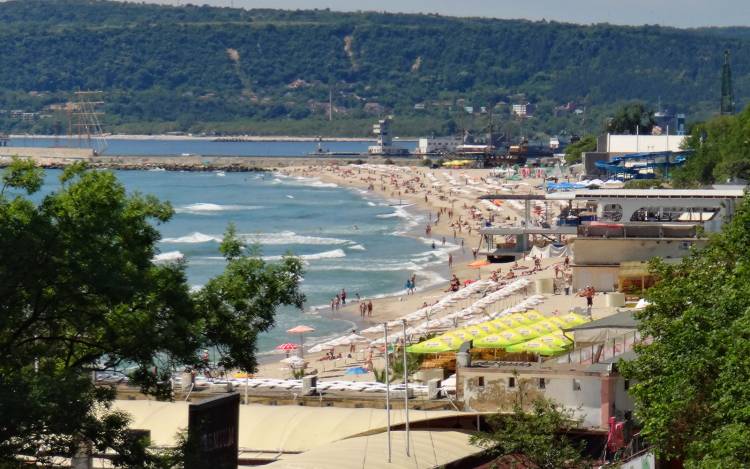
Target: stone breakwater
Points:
(195, 163)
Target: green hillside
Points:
(268, 71)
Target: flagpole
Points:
(406, 390)
(387, 392)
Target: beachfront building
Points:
(630, 227)
(611, 232)
(438, 145)
(648, 151)
(584, 380)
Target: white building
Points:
(611, 143)
(438, 145)
(522, 110)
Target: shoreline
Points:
(233, 138)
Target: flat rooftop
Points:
(593, 194)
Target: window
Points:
(542, 383)
(511, 383)
(480, 381)
(626, 384)
(576, 384)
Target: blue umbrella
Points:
(356, 370)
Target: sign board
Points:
(213, 433)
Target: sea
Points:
(348, 238)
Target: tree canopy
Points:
(631, 119)
(690, 389)
(539, 434)
(79, 292)
(721, 151)
(574, 151)
(196, 68)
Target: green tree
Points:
(79, 292)
(690, 386)
(540, 434)
(632, 118)
(721, 151)
(574, 150)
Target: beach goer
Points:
(414, 281)
(369, 308)
(443, 240)
(408, 286)
(566, 262)
(433, 245)
(567, 285)
(358, 298)
(474, 253)
(450, 261)
(588, 293)
(333, 304)
(343, 296)
(557, 270)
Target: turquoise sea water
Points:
(347, 238)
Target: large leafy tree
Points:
(574, 151)
(539, 433)
(79, 292)
(721, 151)
(692, 394)
(631, 119)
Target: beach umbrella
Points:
(287, 347)
(294, 361)
(573, 319)
(535, 346)
(301, 330)
(436, 345)
(356, 370)
(320, 348)
(534, 316)
(499, 340)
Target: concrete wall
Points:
(495, 395)
(602, 278)
(609, 251)
(37, 152)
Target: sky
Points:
(678, 13)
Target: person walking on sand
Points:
(369, 308)
(414, 282)
(588, 293)
(450, 261)
(343, 296)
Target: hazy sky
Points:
(681, 13)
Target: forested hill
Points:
(187, 66)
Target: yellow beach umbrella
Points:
(556, 339)
(548, 325)
(534, 346)
(521, 318)
(436, 345)
(499, 340)
(490, 327)
(528, 333)
(573, 319)
(506, 322)
(533, 315)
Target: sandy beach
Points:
(454, 214)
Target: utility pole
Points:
(387, 392)
(406, 390)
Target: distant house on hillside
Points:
(523, 110)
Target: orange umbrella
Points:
(300, 330)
